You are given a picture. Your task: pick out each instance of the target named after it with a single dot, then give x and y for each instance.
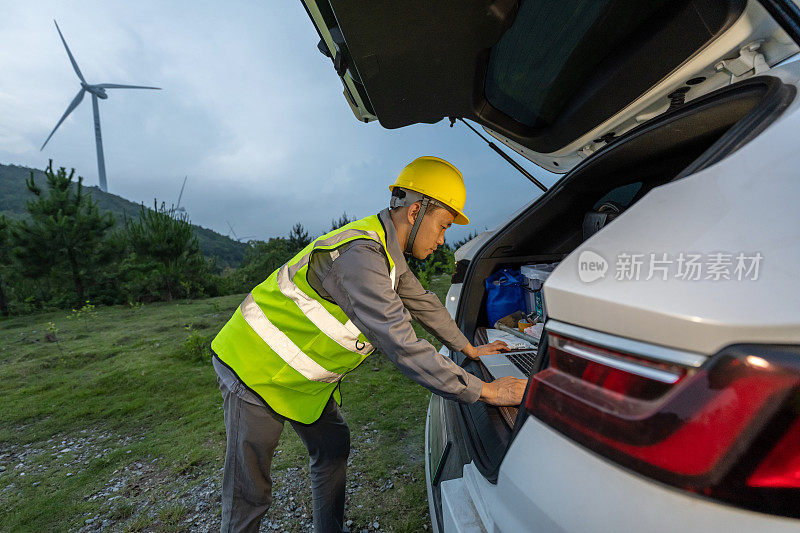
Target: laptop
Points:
(514, 364)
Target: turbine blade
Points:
(181, 194)
(72, 59)
(117, 86)
(72, 106)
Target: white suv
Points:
(666, 391)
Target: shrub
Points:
(196, 348)
(260, 260)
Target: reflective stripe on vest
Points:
(283, 345)
(332, 241)
(287, 342)
(345, 335)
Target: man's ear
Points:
(413, 211)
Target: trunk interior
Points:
(682, 141)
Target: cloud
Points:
(250, 111)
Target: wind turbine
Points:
(236, 237)
(231, 231)
(178, 208)
(97, 91)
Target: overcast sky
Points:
(250, 111)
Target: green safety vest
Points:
(288, 344)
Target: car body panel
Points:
(429, 489)
(352, 95)
(458, 508)
(451, 300)
(546, 481)
(575, 490)
(411, 68)
(746, 203)
(556, 485)
(469, 248)
(754, 27)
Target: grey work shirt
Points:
(356, 278)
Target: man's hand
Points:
(473, 352)
(503, 391)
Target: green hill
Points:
(14, 195)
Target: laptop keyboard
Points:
(522, 360)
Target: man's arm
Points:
(358, 282)
(426, 309)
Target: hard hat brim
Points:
(461, 219)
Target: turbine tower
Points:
(178, 208)
(97, 91)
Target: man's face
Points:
(431, 232)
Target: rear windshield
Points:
(543, 61)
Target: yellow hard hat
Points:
(436, 178)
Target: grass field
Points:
(118, 425)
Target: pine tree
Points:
(166, 260)
(298, 237)
(65, 233)
(461, 242)
(261, 259)
(343, 221)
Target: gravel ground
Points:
(146, 496)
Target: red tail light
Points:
(729, 430)
(781, 468)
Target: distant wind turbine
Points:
(178, 208)
(231, 231)
(97, 91)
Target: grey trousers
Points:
(252, 435)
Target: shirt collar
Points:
(392, 244)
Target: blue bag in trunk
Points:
(504, 294)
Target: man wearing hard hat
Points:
(287, 347)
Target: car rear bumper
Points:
(549, 483)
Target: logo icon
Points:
(591, 266)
